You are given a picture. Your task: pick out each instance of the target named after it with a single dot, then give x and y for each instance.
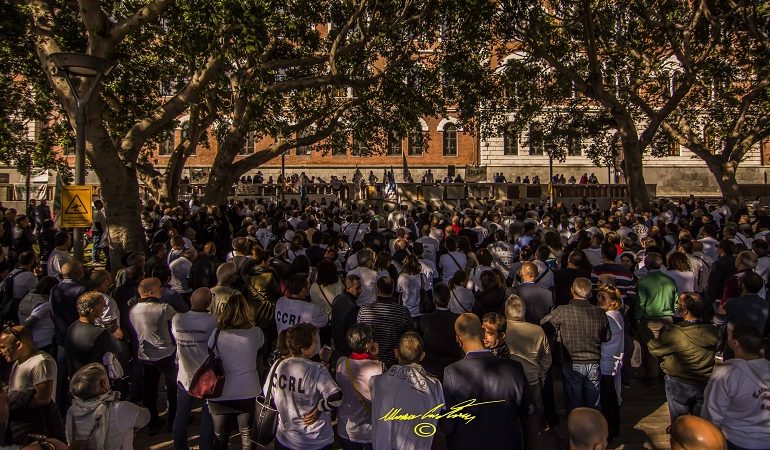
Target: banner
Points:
(475, 174)
(36, 192)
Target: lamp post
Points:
(283, 176)
(82, 66)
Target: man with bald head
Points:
(191, 331)
(694, 433)
(587, 429)
(583, 328)
(150, 319)
(504, 420)
(537, 299)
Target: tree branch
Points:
(141, 17)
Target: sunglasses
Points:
(8, 328)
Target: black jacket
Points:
(203, 272)
(538, 301)
(438, 333)
(498, 425)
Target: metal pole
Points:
(80, 170)
(550, 178)
(283, 176)
(26, 199)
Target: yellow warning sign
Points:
(76, 207)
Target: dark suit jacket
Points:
(486, 378)
(538, 300)
(749, 310)
(441, 348)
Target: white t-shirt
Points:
(451, 264)
(238, 351)
(409, 287)
(180, 275)
(56, 259)
(474, 282)
(124, 417)
(354, 421)
(323, 296)
(413, 391)
(111, 314)
(299, 385)
(191, 331)
(150, 320)
(685, 281)
(429, 248)
(429, 271)
(368, 279)
(289, 312)
(37, 369)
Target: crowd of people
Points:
(413, 327)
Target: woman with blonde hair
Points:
(237, 341)
(610, 301)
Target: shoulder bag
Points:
(209, 380)
(426, 300)
(266, 414)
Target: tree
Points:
(361, 75)
(28, 132)
(619, 58)
(728, 111)
(162, 67)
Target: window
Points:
(303, 150)
(450, 139)
(415, 143)
(248, 144)
(673, 149)
(167, 144)
(394, 145)
(359, 147)
(574, 146)
(536, 139)
(510, 140)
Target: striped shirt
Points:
(624, 280)
(390, 321)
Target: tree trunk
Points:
(120, 193)
(724, 172)
(221, 179)
(634, 171)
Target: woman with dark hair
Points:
(485, 260)
(409, 284)
(492, 295)
(461, 298)
(237, 341)
(35, 314)
(384, 266)
(327, 285)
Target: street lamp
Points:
(78, 65)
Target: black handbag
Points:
(209, 380)
(265, 414)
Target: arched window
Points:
(510, 140)
(394, 145)
(248, 144)
(450, 139)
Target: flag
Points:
(406, 167)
